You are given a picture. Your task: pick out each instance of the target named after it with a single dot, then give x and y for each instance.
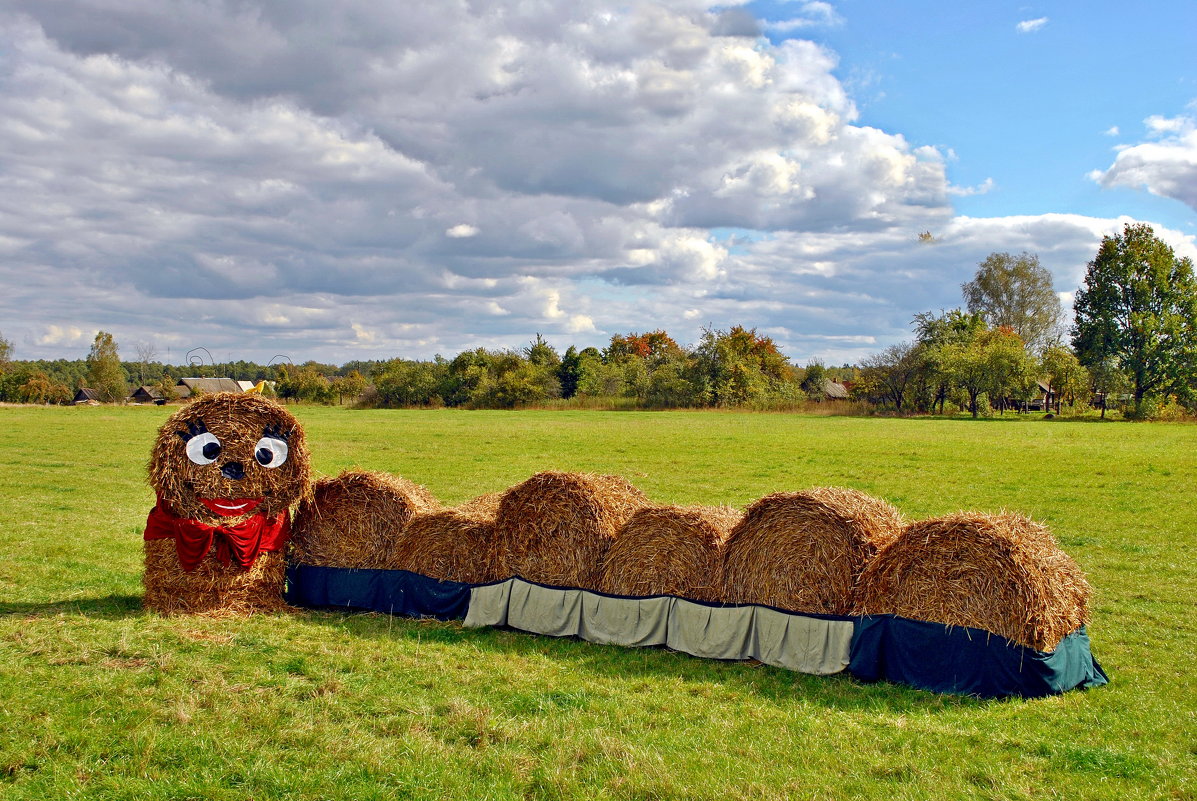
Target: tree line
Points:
(1132, 344)
(1132, 341)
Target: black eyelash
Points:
(277, 433)
(193, 430)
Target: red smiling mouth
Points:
(230, 507)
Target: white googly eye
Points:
(203, 448)
(270, 451)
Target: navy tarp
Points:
(965, 661)
(396, 592)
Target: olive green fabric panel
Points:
(790, 641)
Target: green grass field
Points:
(100, 700)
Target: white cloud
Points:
(982, 188)
(355, 180)
(1166, 165)
(461, 231)
(1113, 131)
(1031, 25)
(62, 335)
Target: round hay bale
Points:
(353, 520)
(212, 588)
(670, 550)
(556, 527)
(1002, 573)
(803, 551)
(454, 545)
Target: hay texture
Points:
(231, 435)
(1002, 573)
(670, 550)
(212, 589)
(355, 519)
(454, 544)
(557, 527)
(238, 422)
(803, 551)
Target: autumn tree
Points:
(1138, 306)
(104, 372)
(1066, 377)
(40, 388)
(1016, 292)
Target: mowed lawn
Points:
(101, 700)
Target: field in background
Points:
(99, 700)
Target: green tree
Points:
(1108, 380)
(1012, 372)
(889, 376)
(813, 379)
(541, 354)
(5, 353)
(104, 372)
(1017, 292)
(736, 367)
(1065, 376)
(350, 385)
(1139, 307)
(932, 334)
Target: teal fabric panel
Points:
(967, 661)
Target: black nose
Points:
(232, 470)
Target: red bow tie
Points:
(240, 543)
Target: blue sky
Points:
(366, 180)
(1032, 110)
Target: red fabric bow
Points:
(240, 543)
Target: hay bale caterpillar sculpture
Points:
(798, 580)
(226, 469)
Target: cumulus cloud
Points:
(983, 188)
(356, 180)
(1165, 165)
(1031, 25)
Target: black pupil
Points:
(211, 450)
(264, 455)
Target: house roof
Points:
(85, 394)
(146, 391)
(206, 385)
(835, 390)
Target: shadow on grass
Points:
(110, 607)
(839, 691)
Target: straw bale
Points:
(353, 520)
(212, 588)
(238, 421)
(556, 527)
(670, 550)
(454, 544)
(1002, 573)
(803, 551)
